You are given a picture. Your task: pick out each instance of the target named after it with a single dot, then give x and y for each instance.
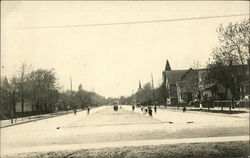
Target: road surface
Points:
(105, 127)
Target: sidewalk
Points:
(196, 118)
(120, 144)
(216, 111)
(17, 121)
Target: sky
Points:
(111, 59)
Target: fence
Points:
(216, 106)
(20, 120)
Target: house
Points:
(245, 83)
(189, 84)
(5, 96)
(170, 79)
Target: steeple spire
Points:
(167, 67)
(139, 85)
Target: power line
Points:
(132, 22)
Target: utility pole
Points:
(94, 95)
(133, 96)
(13, 109)
(71, 85)
(71, 90)
(153, 88)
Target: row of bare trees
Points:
(39, 88)
(229, 56)
(147, 96)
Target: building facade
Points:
(187, 85)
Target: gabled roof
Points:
(175, 75)
(186, 73)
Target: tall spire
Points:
(167, 67)
(139, 85)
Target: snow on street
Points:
(104, 125)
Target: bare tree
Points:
(20, 81)
(234, 40)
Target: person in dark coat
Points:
(75, 111)
(155, 108)
(88, 109)
(133, 108)
(150, 112)
(184, 108)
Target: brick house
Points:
(188, 84)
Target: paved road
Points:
(103, 125)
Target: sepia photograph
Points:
(125, 79)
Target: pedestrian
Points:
(184, 108)
(133, 108)
(88, 109)
(155, 108)
(150, 111)
(75, 111)
(200, 105)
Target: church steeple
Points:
(139, 85)
(167, 66)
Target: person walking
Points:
(200, 105)
(150, 112)
(155, 108)
(88, 109)
(75, 111)
(184, 108)
(133, 108)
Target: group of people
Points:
(88, 110)
(147, 110)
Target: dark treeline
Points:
(147, 96)
(38, 91)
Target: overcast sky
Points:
(110, 59)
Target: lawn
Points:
(194, 150)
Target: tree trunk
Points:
(225, 95)
(22, 102)
(46, 107)
(37, 106)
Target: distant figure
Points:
(75, 111)
(150, 112)
(88, 109)
(116, 108)
(184, 109)
(146, 110)
(155, 108)
(200, 105)
(133, 108)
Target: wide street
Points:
(106, 128)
